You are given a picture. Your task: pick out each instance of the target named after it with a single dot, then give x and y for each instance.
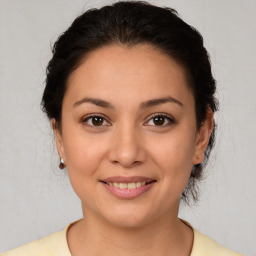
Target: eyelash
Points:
(167, 117)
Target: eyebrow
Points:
(95, 101)
(143, 105)
(155, 102)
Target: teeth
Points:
(123, 185)
(131, 185)
(116, 185)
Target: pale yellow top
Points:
(56, 245)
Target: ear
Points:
(58, 138)
(203, 137)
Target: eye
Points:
(95, 120)
(161, 120)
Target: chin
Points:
(128, 217)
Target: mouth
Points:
(128, 187)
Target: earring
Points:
(62, 164)
(197, 157)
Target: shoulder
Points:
(205, 246)
(51, 245)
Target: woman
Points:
(130, 96)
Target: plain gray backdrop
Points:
(36, 197)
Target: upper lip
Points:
(122, 179)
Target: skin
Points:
(128, 142)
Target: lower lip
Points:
(128, 193)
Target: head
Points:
(154, 41)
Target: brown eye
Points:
(161, 120)
(95, 121)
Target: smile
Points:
(128, 190)
(131, 185)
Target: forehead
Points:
(138, 72)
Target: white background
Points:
(35, 196)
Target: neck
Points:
(166, 236)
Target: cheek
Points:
(84, 155)
(174, 156)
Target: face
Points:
(129, 136)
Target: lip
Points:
(123, 179)
(128, 193)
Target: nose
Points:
(127, 147)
